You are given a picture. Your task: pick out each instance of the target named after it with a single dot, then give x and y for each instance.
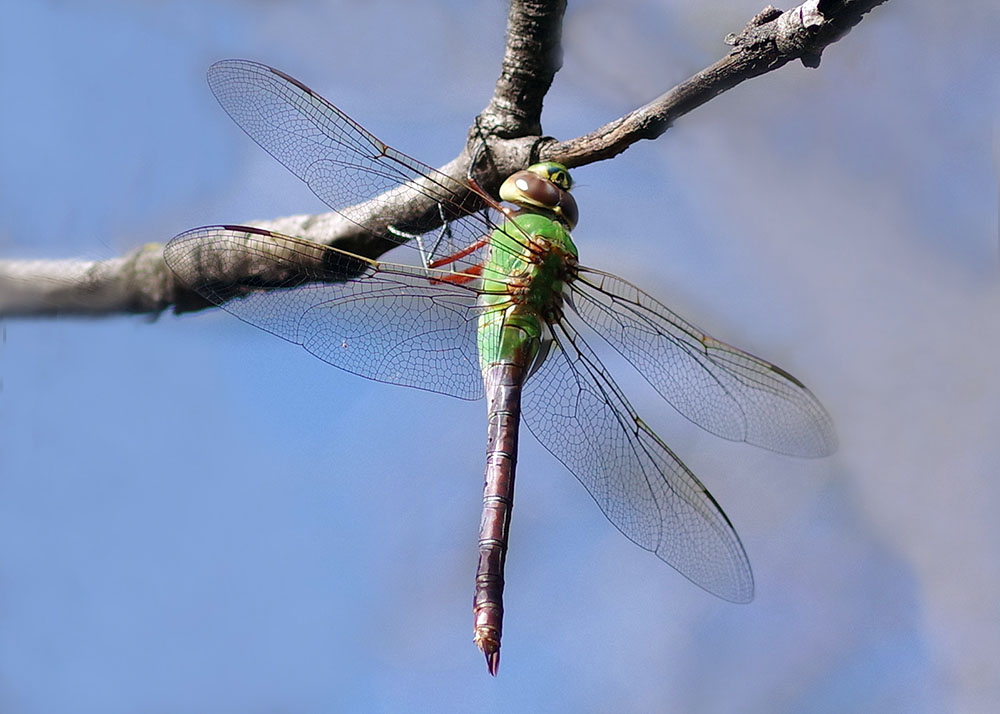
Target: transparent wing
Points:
(579, 414)
(389, 322)
(727, 391)
(343, 163)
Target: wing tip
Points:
(216, 70)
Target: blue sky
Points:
(195, 516)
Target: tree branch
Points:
(510, 126)
(770, 40)
(532, 57)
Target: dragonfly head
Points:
(546, 186)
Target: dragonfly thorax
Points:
(542, 284)
(532, 257)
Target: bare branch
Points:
(510, 125)
(138, 283)
(769, 41)
(40, 288)
(532, 57)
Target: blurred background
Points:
(196, 516)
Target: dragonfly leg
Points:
(426, 252)
(449, 259)
(462, 278)
(467, 275)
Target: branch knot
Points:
(791, 33)
(795, 30)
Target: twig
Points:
(770, 40)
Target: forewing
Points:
(393, 323)
(729, 392)
(342, 162)
(578, 413)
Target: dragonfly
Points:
(493, 301)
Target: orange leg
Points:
(462, 278)
(459, 255)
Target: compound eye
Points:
(535, 189)
(568, 210)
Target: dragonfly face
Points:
(543, 186)
(554, 172)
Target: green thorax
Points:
(530, 258)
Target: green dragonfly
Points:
(489, 303)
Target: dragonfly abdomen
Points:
(518, 344)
